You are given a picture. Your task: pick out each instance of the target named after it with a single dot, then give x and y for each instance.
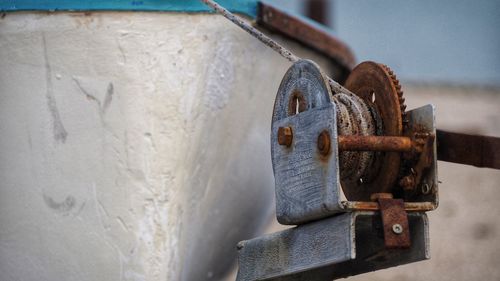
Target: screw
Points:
(285, 136)
(324, 143)
(397, 228)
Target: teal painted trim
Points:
(247, 7)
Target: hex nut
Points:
(285, 136)
(324, 143)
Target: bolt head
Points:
(324, 143)
(397, 228)
(408, 182)
(285, 136)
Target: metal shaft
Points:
(479, 151)
(374, 143)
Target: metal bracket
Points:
(337, 247)
(395, 223)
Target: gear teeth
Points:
(399, 91)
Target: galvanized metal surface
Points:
(306, 180)
(340, 246)
(479, 151)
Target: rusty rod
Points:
(374, 206)
(479, 151)
(374, 143)
(284, 52)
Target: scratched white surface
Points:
(134, 146)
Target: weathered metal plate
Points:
(340, 246)
(306, 182)
(305, 82)
(394, 223)
(424, 118)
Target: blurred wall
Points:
(446, 41)
(427, 41)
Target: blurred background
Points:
(446, 53)
(439, 42)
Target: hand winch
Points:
(337, 159)
(353, 170)
(362, 142)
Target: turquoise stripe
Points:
(247, 7)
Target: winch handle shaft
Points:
(474, 150)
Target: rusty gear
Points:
(379, 88)
(399, 91)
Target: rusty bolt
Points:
(285, 136)
(324, 142)
(397, 228)
(407, 183)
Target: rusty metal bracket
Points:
(306, 32)
(395, 222)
